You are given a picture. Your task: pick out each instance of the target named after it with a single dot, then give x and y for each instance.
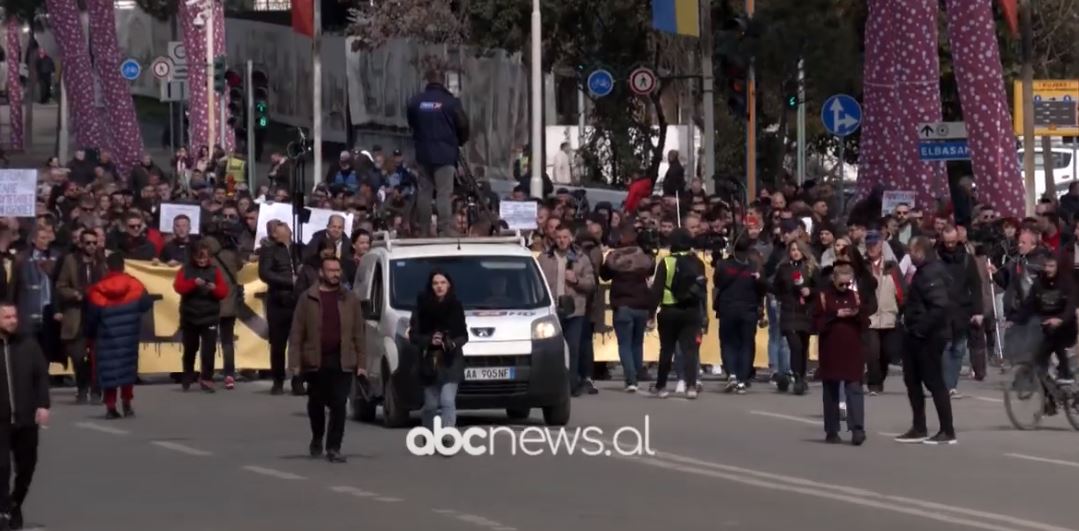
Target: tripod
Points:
(297, 152)
(477, 205)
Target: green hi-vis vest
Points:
(668, 264)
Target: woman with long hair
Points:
(438, 331)
(794, 286)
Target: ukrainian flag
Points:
(677, 16)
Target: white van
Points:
(515, 358)
(1063, 166)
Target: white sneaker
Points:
(955, 394)
(717, 370)
(631, 388)
(843, 411)
(680, 388)
(691, 394)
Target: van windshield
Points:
(481, 282)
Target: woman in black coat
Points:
(438, 331)
(795, 286)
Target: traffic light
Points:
(790, 95)
(260, 89)
(734, 52)
(219, 74)
(235, 83)
(737, 83)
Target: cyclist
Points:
(1052, 299)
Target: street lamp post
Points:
(537, 102)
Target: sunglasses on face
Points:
(135, 227)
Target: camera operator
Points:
(439, 128)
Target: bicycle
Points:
(1031, 385)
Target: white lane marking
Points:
(1044, 460)
(182, 448)
(803, 420)
(475, 519)
(888, 434)
(274, 473)
(359, 493)
(388, 499)
(444, 511)
(987, 399)
(102, 429)
(813, 488)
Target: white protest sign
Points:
(808, 222)
(894, 198)
(282, 212)
(518, 214)
(18, 193)
(320, 218)
(169, 211)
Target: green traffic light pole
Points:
(249, 115)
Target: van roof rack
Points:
(389, 239)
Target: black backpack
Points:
(688, 285)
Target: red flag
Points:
(303, 17)
(1011, 15)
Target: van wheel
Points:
(558, 414)
(518, 413)
(363, 409)
(393, 414)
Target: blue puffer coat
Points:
(113, 321)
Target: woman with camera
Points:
(438, 330)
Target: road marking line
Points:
(388, 499)
(444, 511)
(272, 472)
(102, 429)
(814, 488)
(359, 493)
(987, 399)
(786, 417)
(182, 448)
(1044, 460)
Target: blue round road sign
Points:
(841, 115)
(130, 69)
(600, 83)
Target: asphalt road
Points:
(237, 461)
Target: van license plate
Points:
(489, 373)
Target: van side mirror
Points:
(368, 309)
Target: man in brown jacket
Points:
(571, 279)
(326, 346)
(79, 271)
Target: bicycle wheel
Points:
(1071, 409)
(1024, 398)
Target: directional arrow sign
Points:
(942, 130)
(841, 115)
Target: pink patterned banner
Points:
(78, 74)
(123, 123)
(14, 87)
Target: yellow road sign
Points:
(1056, 107)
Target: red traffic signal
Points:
(233, 78)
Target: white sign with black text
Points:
(518, 215)
(894, 198)
(18, 193)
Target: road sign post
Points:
(842, 116)
(162, 68)
(600, 83)
(130, 69)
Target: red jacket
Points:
(638, 190)
(199, 305)
(154, 237)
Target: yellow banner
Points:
(161, 349)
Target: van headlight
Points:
(545, 328)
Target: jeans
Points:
(855, 405)
(586, 363)
(736, 343)
(228, 344)
(18, 445)
(435, 181)
(922, 366)
(572, 328)
(678, 326)
(779, 347)
(441, 401)
(328, 389)
(954, 352)
(629, 326)
(201, 340)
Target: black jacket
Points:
(178, 251)
(926, 311)
(794, 309)
(311, 249)
(277, 271)
(674, 183)
(965, 286)
(1048, 299)
(446, 364)
(27, 381)
(439, 126)
(736, 290)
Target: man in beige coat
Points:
(571, 278)
(326, 346)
